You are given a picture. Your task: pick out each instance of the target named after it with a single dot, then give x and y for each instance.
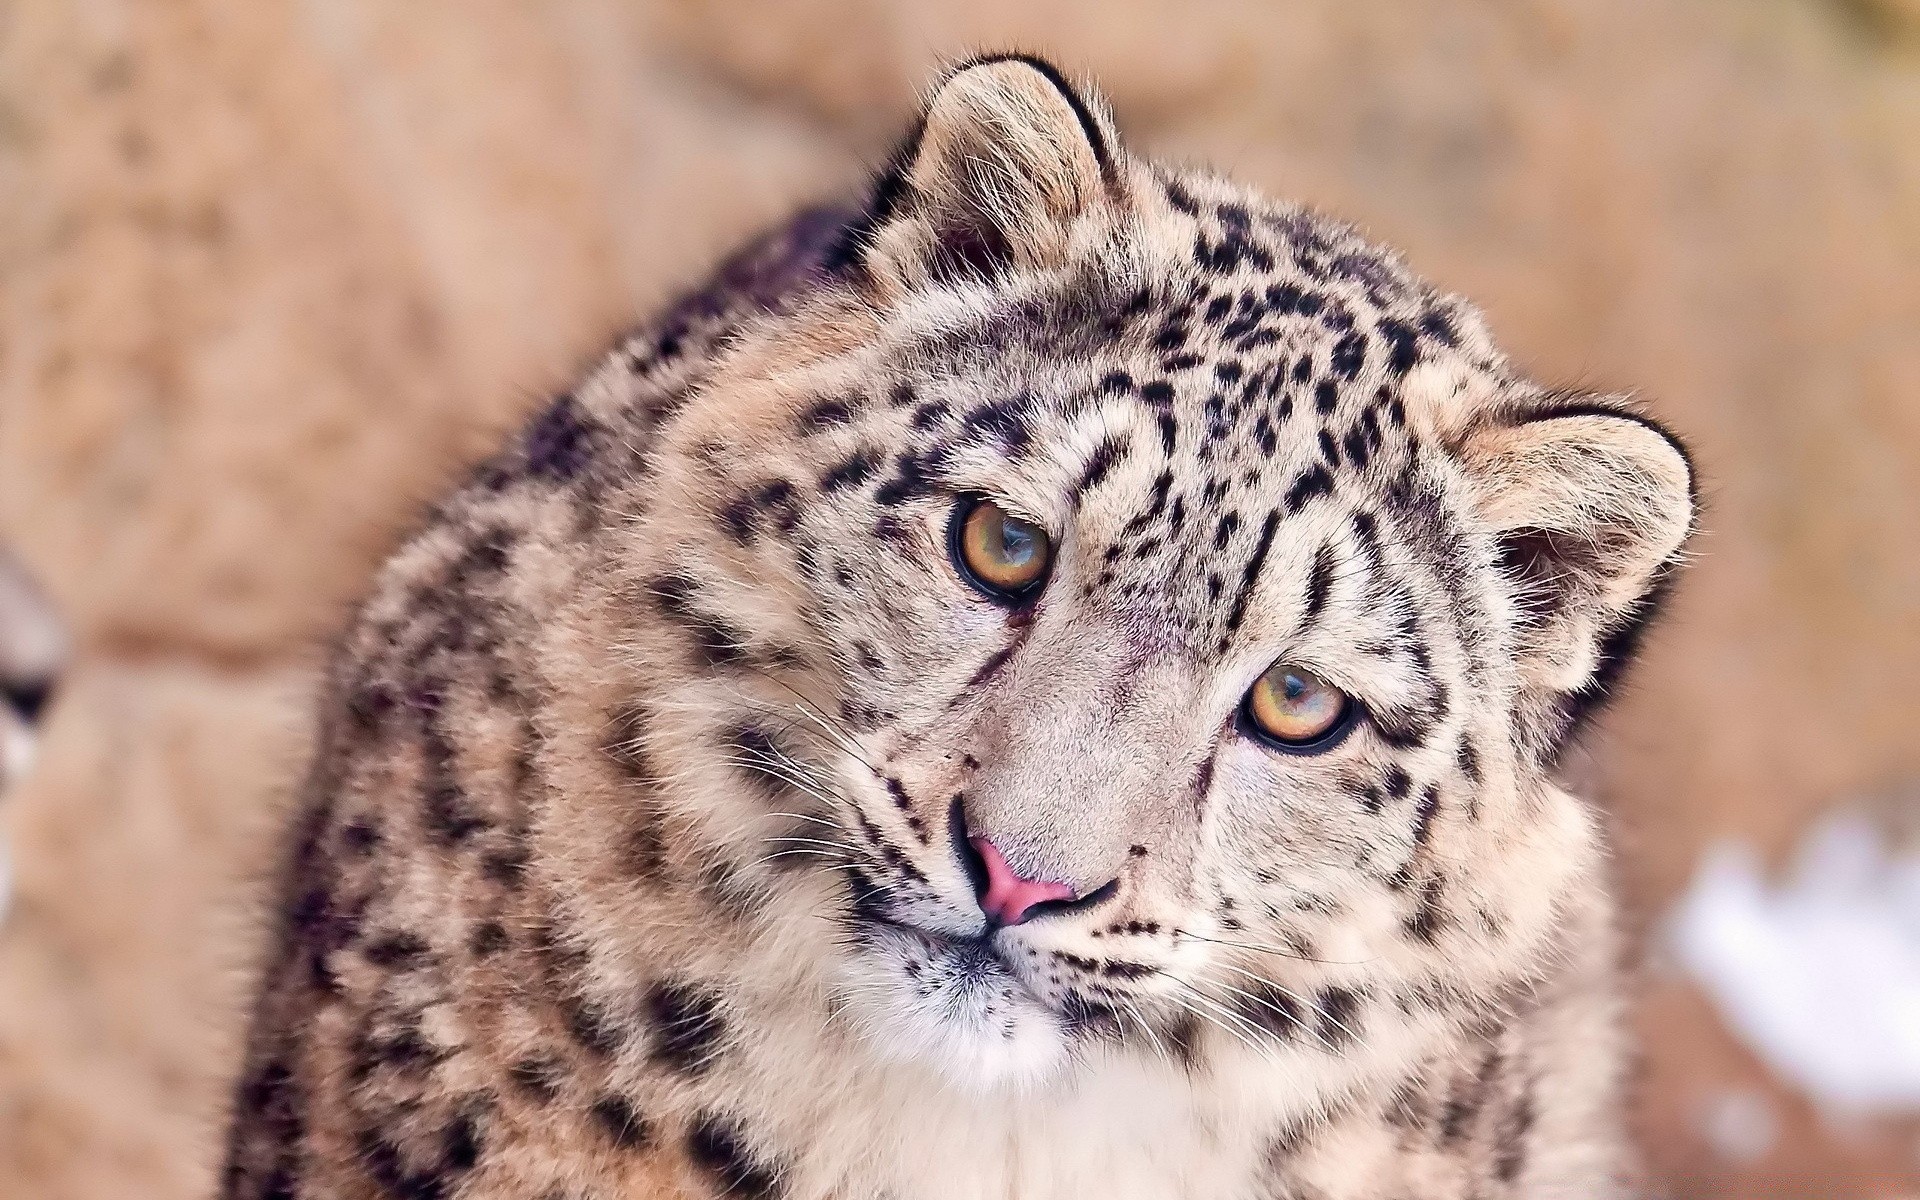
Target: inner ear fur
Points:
(1591, 503)
(1006, 161)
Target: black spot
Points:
(1336, 1017)
(718, 641)
(1100, 464)
(1401, 728)
(1264, 433)
(688, 1026)
(396, 1177)
(442, 800)
(718, 1148)
(622, 1122)
(914, 475)
(507, 867)
(1223, 532)
(359, 837)
(488, 938)
(850, 472)
(1423, 814)
(1469, 762)
(1349, 355)
(460, 1144)
(399, 949)
(1004, 421)
(826, 414)
(558, 443)
(1357, 447)
(1273, 1010)
(1159, 393)
(1329, 450)
(741, 515)
(1314, 481)
(929, 414)
(1325, 397)
(1405, 343)
(1438, 326)
(539, 1078)
(1428, 917)
(592, 1026)
(1169, 433)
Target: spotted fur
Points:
(629, 863)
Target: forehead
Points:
(1236, 401)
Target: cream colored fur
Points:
(633, 861)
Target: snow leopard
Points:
(1046, 681)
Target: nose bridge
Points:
(1075, 754)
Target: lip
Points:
(975, 955)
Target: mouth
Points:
(964, 960)
(952, 1002)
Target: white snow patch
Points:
(1740, 1124)
(1819, 974)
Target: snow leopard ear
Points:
(1591, 504)
(1006, 163)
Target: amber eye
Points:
(1003, 556)
(1295, 710)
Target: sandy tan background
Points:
(270, 270)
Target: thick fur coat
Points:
(634, 857)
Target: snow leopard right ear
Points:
(1008, 162)
(1591, 504)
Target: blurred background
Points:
(271, 271)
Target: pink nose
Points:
(1008, 897)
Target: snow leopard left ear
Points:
(1008, 161)
(1591, 504)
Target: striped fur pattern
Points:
(628, 863)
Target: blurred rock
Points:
(139, 848)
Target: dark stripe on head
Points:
(1251, 573)
(1106, 456)
(1319, 586)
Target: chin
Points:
(952, 1007)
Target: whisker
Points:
(813, 842)
(1224, 1014)
(1293, 1018)
(1127, 1006)
(804, 817)
(820, 854)
(1315, 1009)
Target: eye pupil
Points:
(1002, 556)
(1016, 544)
(1297, 711)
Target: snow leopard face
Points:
(1195, 602)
